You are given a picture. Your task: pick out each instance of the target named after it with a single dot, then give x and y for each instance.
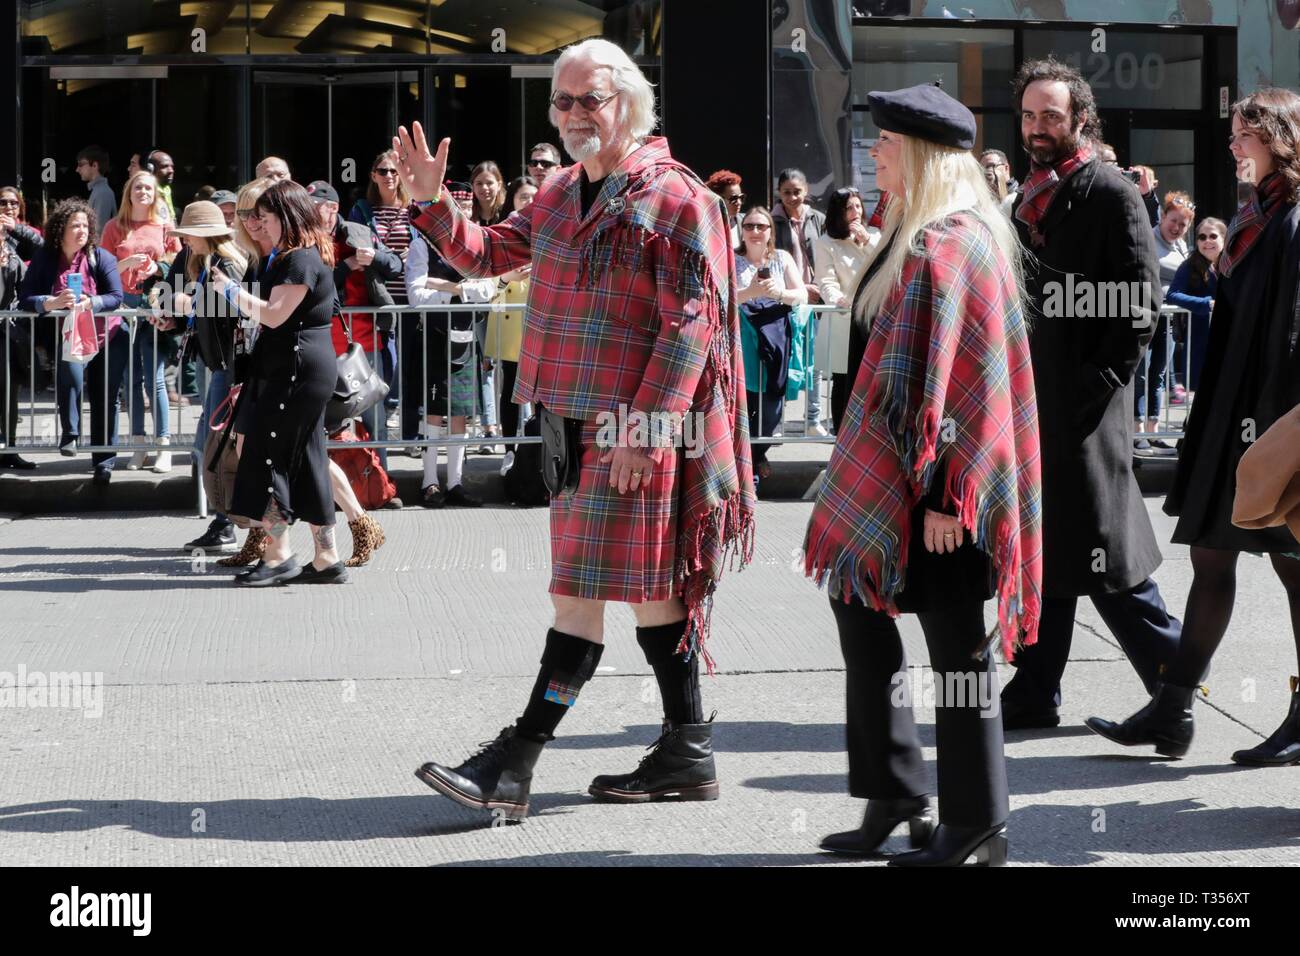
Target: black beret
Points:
(925, 112)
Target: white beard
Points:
(582, 144)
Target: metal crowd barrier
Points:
(1169, 429)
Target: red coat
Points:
(631, 305)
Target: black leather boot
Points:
(952, 846)
(879, 821)
(1282, 746)
(679, 765)
(495, 778)
(1166, 722)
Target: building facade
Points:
(751, 85)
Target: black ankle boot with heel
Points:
(1165, 722)
(953, 846)
(1283, 745)
(881, 818)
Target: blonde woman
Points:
(931, 498)
(145, 250)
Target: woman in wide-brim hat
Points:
(931, 498)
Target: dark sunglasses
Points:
(543, 163)
(588, 101)
(736, 199)
(755, 226)
(1204, 237)
(247, 214)
(385, 171)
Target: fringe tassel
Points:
(633, 247)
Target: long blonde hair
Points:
(937, 182)
(157, 212)
(248, 196)
(219, 247)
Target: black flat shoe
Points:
(102, 476)
(247, 571)
(433, 497)
(264, 575)
(16, 462)
(879, 821)
(459, 496)
(335, 574)
(952, 846)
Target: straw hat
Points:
(202, 219)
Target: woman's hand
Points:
(629, 468)
(219, 280)
(517, 275)
(361, 258)
(422, 172)
(859, 233)
(61, 302)
(943, 533)
(771, 287)
(132, 262)
(85, 304)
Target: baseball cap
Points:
(321, 191)
(223, 196)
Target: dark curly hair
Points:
(1273, 114)
(57, 224)
(1082, 102)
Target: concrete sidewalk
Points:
(283, 726)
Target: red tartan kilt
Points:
(611, 547)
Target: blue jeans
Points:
(1149, 388)
(148, 371)
(218, 387)
(104, 394)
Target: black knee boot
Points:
(680, 762)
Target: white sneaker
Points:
(507, 463)
(164, 462)
(818, 429)
(776, 432)
(137, 461)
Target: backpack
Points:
(369, 481)
(524, 483)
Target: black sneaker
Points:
(16, 462)
(218, 539)
(459, 496)
(102, 476)
(335, 574)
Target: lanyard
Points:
(198, 291)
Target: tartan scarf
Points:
(1251, 219)
(878, 214)
(946, 374)
(1040, 186)
(716, 503)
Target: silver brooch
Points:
(616, 205)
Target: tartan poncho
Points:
(946, 375)
(632, 304)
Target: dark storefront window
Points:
(1142, 71)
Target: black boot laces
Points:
(489, 750)
(656, 749)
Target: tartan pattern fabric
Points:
(878, 214)
(946, 375)
(611, 547)
(633, 305)
(1251, 219)
(1040, 186)
(562, 692)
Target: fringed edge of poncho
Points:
(916, 444)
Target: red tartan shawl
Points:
(1251, 219)
(687, 237)
(946, 374)
(1040, 186)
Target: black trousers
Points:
(1146, 631)
(884, 749)
(411, 374)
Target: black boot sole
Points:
(513, 811)
(701, 791)
(1242, 761)
(1165, 746)
(919, 831)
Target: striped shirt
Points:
(394, 229)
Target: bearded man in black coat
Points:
(1094, 282)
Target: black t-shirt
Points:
(275, 346)
(590, 191)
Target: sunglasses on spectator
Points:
(9, 202)
(247, 214)
(1182, 204)
(736, 199)
(543, 163)
(588, 101)
(755, 226)
(385, 171)
(1206, 237)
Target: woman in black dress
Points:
(1249, 380)
(283, 469)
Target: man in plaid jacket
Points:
(631, 335)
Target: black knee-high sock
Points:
(567, 663)
(679, 680)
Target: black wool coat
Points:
(1251, 378)
(1097, 537)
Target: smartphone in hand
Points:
(75, 287)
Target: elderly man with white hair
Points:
(631, 351)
